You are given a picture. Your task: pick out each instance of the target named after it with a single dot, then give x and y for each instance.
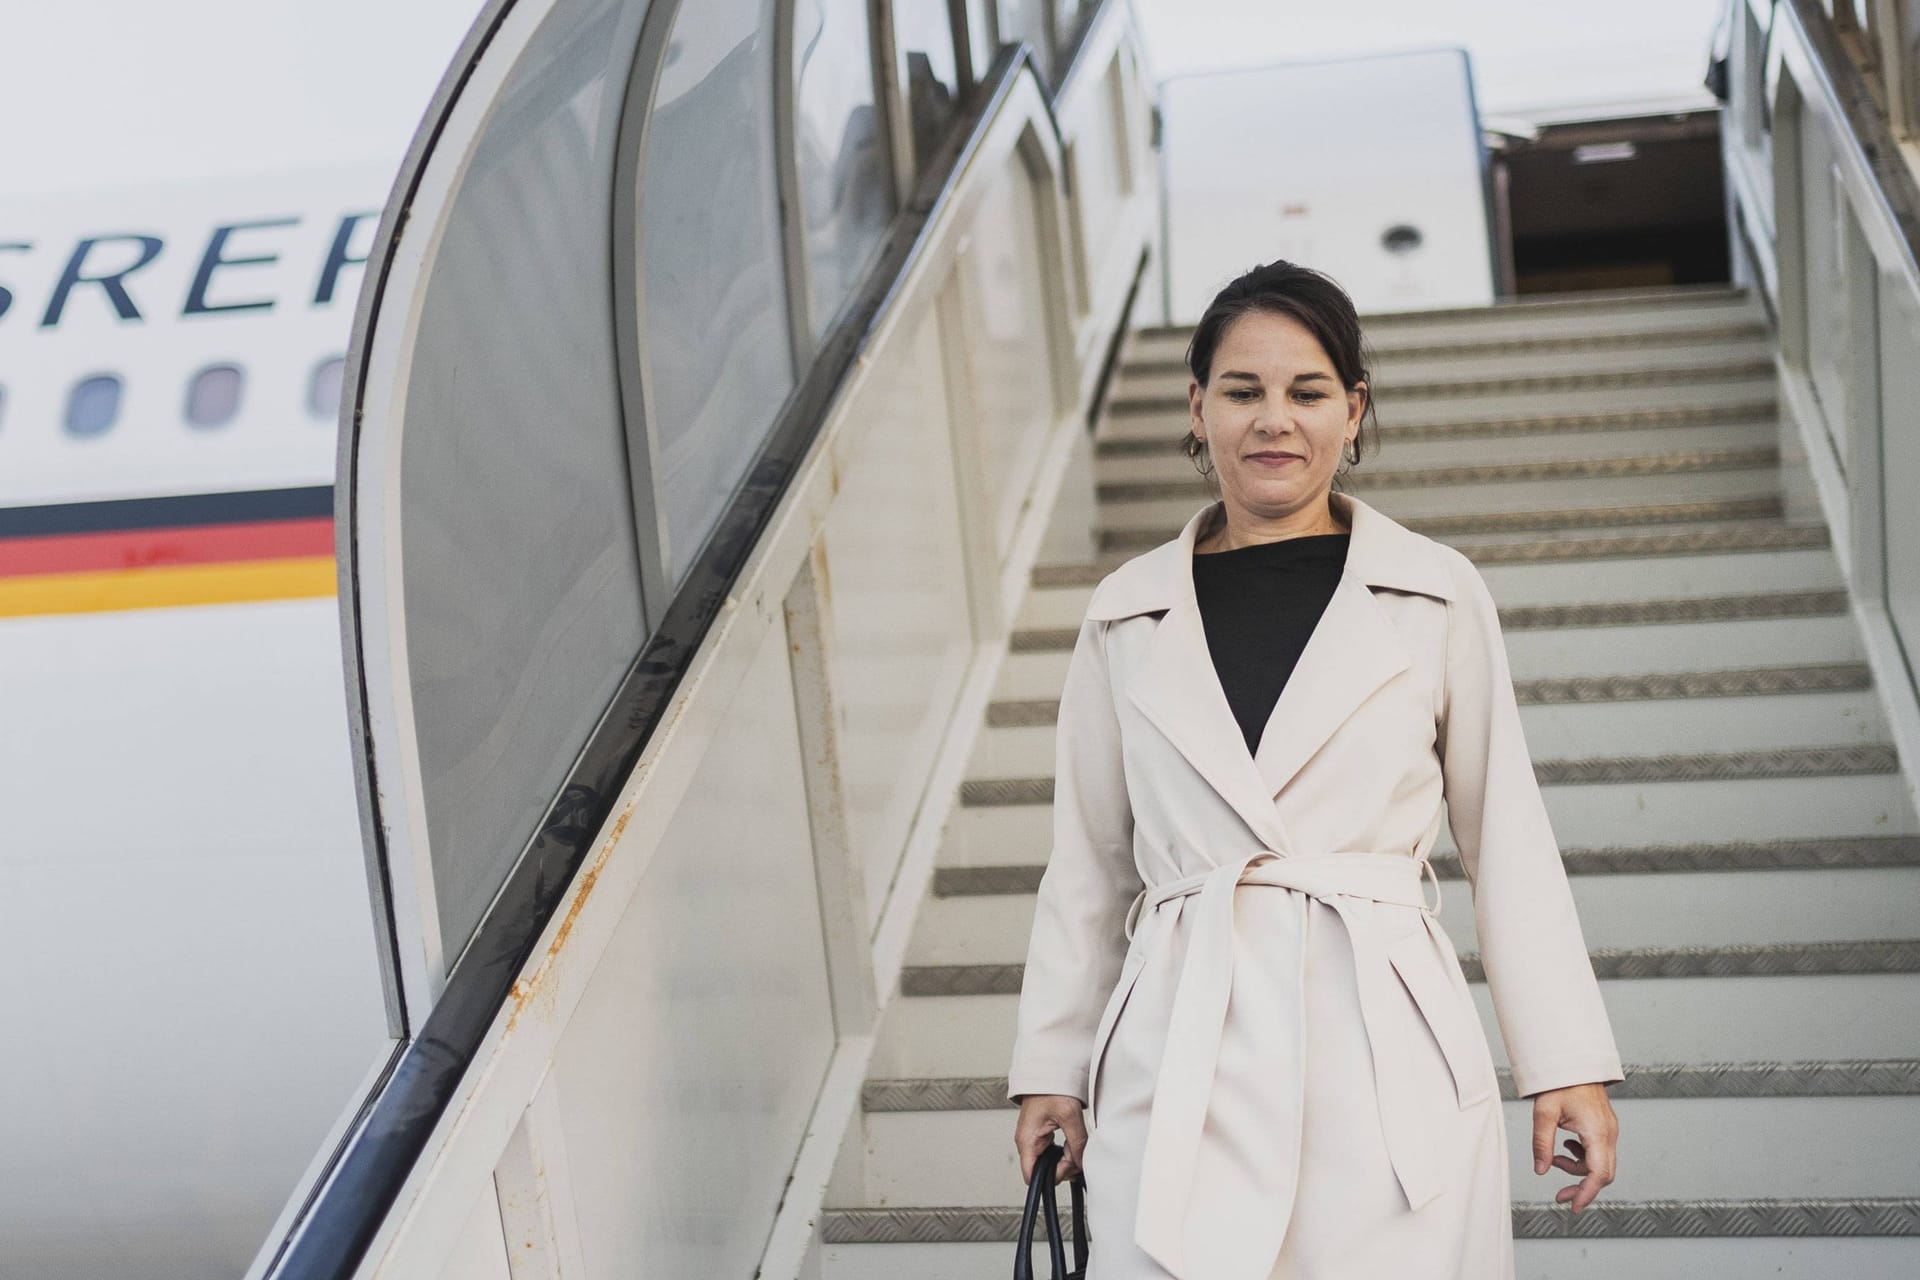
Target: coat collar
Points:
(1354, 649)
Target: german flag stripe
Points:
(147, 553)
(250, 506)
(153, 548)
(172, 586)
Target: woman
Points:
(1235, 966)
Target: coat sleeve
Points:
(1545, 995)
(1079, 940)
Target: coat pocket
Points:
(1449, 1014)
(1109, 1019)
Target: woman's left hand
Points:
(1585, 1109)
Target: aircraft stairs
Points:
(1721, 777)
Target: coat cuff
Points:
(1047, 1077)
(1558, 1073)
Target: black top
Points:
(1259, 604)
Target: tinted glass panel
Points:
(1067, 17)
(846, 186)
(925, 36)
(213, 397)
(94, 405)
(522, 570)
(1027, 20)
(1899, 339)
(718, 355)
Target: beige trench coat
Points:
(1236, 962)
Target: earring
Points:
(1199, 453)
(1353, 444)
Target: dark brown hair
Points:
(1311, 297)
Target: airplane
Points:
(196, 995)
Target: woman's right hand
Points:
(1041, 1116)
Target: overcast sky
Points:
(110, 92)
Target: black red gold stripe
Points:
(146, 553)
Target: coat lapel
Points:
(1176, 686)
(1353, 650)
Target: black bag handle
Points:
(1040, 1197)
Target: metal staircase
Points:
(1719, 767)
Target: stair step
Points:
(1855, 1077)
(1627, 813)
(1760, 959)
(1668, 1240)
(1775, 708)
(1667, 767)
(1621, 913)
(1055, 611)
(1146, 522)
(1166, 416)
(955, 877)
(1575, 313)
(1698, 1019)
(1720, 561)
(1736, 340)
(1170, 463)
(1674, 343)
(1837, 1217)
(1740, 682)
(1464, 386)
(1544, 642)
(1395, 370)
(1653, 423)
(1841, 1146)
(1193, 488)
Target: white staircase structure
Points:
(703, 824)
(1719, 769)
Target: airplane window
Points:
(213, 397)
(323, 388)
(94, 405)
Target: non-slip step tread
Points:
(1733, 332)
(1830, 854)
(1718, 370)
(1549, 690)
(1837, 1078)
(1676, 462)
(1111, 444)
(1836, 1216)
(1768, 959)
(1653, 299)
(1740, 537)
(1784, 762)
(1735, 511)
(1741, 607)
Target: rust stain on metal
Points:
(524, 989)
(820, 570)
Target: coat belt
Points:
(1168, 1216)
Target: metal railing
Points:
(1823, 183)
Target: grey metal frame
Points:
(629, 310)
(793, 233)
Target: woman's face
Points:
(1274, 415)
